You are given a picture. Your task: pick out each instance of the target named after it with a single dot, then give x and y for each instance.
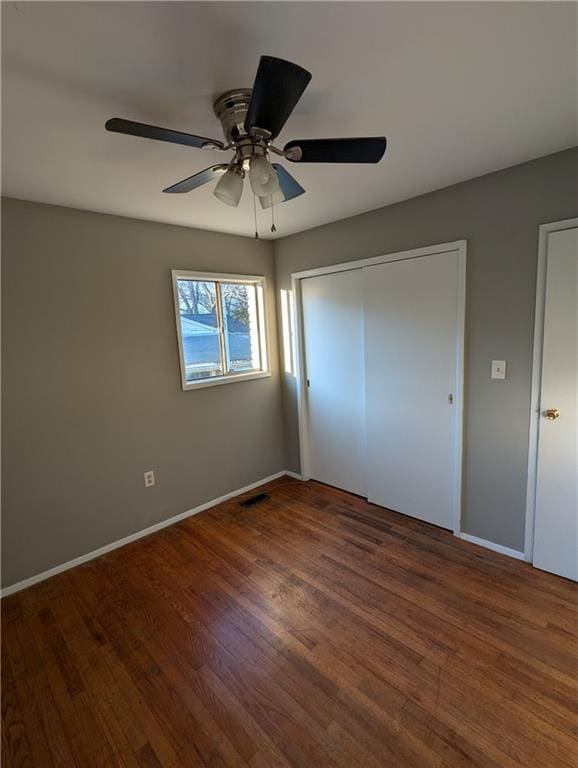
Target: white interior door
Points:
(411, 332)
(555, 526)
(333, 335)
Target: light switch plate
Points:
(498, 369)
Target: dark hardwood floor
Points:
(313, 629)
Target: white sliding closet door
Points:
(333, 334)
(411, 317)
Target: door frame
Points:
(534, 430)
(458, 246)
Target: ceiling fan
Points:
(251, 121)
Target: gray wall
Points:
(499, 215)
(91, 388)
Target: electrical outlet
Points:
(149, 478)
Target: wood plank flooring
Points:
(312, 630)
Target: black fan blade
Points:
(277, 89)
(197, 180)
(369, 150)
(118, 125)
(288, 188)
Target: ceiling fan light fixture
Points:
(264, 181)
(230, 187)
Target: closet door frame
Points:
(457, 246)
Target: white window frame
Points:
(218, 277)
(288, 331)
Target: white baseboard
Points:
(294, 475)
(491, 545)
(138, 535)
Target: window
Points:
(220, 328)
(288, 328)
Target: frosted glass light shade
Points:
(262, 176)
(275, 199)
(230, 188)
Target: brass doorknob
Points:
(551, 414)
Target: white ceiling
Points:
(459, 89)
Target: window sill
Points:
(217, 380)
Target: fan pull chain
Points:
(273, 227)
(255, 216)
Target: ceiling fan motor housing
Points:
(231, 110)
